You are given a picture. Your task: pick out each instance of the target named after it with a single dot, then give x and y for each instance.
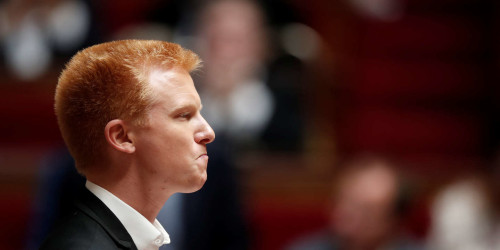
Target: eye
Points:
(185, 115)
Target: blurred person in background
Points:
(34, 33)
(465, 212)
(365, 212)
(251, 92)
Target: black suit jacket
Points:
(91, 225)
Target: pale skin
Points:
(147, 164)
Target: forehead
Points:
(375, 185)
(173, 87)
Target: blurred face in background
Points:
(232, 42)
(362, 215)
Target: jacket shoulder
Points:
(79, 231)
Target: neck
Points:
(139, 193)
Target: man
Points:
(130, 116)
(365, 212)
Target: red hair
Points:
(109, 81)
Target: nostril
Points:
(205, 141)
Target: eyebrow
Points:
(186, 105)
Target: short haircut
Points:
(110, 81)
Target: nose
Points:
(206, 134)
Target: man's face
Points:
(362, 214)
(171, 148)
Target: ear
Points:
(117, 136)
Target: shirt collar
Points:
(146, 235)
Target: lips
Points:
(203, 156)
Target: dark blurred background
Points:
(297, 90)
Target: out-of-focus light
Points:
(301, 41)
(27, 53)
(386, 10)
(68, 25)
(460, 218)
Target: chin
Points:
(202, 181)
(197, 184)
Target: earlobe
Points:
(117, 136)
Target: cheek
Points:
(169, 138)
(169, 144)
(178, 149)
(180, 145)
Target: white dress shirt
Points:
(146, 235)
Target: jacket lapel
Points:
(98, 211)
